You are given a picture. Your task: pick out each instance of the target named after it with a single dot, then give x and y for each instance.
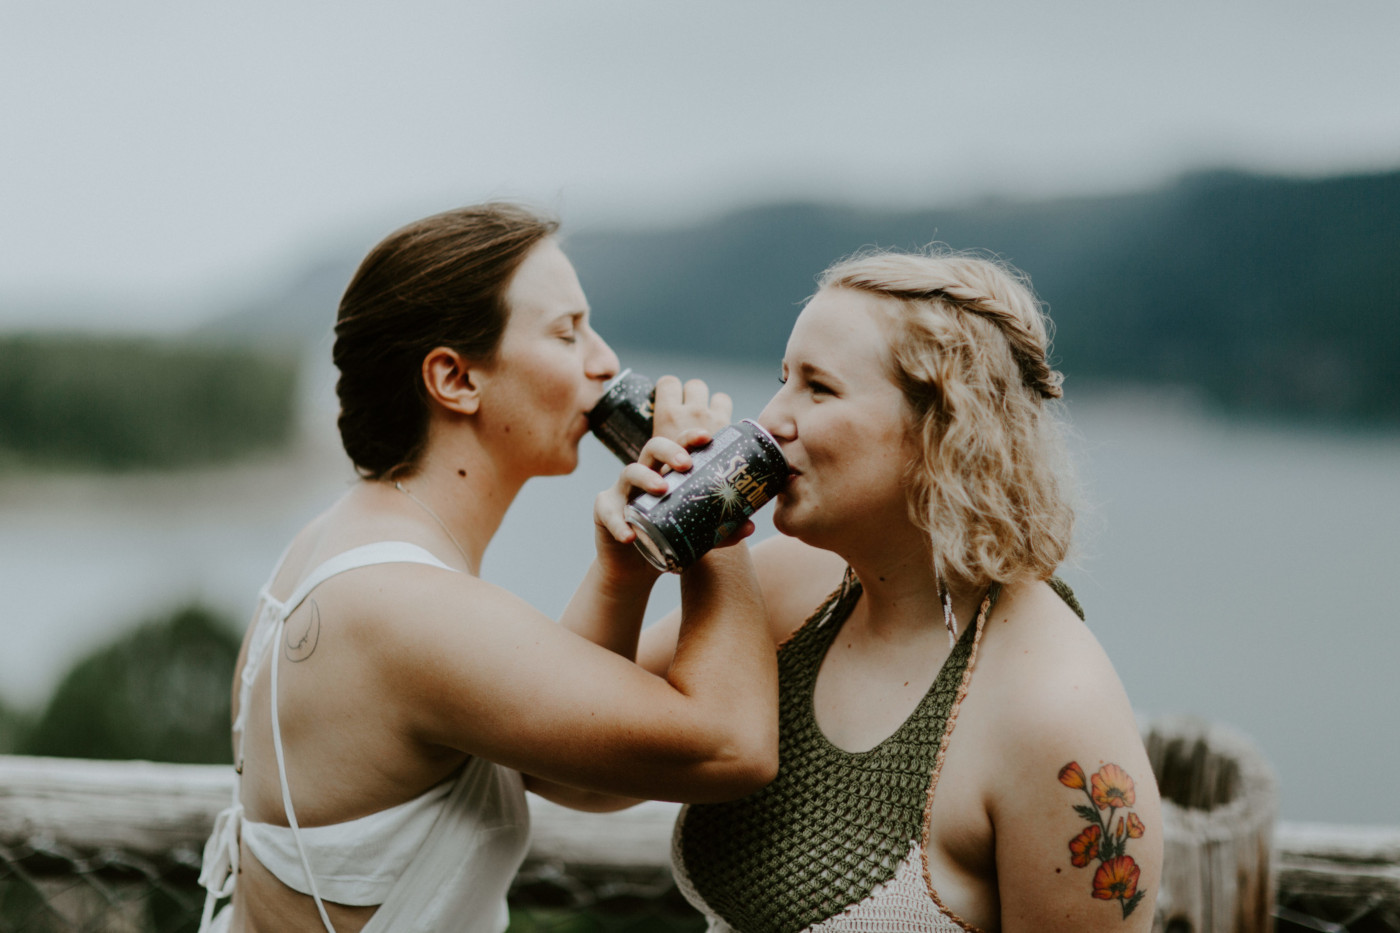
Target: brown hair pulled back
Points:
(437, 282)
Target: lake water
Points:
(1246, 574)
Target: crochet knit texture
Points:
(834, 824)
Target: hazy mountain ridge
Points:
(1271, 295)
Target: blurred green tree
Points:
(160, 693)
(14, 725)
(139, 403)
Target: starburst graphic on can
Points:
(727, 496)
(735, 494)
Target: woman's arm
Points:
(477, 669)
(1075, 809)
(610, 604)
(794, 578)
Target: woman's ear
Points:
(452, 380)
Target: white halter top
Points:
(443, 860)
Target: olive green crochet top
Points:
(834, 824)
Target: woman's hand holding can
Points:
(633, 409)
(644, 475)
(711, 503)
(683, 407)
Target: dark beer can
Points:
(622, 418)
(729, 479)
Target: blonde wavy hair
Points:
(969, 348)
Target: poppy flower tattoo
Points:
(1084, 848)
(1117, 878)
(1109, 790)
(1071, 775)
(1113, 788)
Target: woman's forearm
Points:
(725, 657)
(607, 612)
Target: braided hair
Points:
(970, 350)
(440, 281)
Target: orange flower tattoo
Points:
(1110, 789)
(1116, 879)
(1071, 775)
(1113, 788)
(1085, 847)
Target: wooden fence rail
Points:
(162, 813)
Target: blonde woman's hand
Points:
(683, 407)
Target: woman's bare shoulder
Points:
(1052, 692)
(1058, 744)
(399, 598)
(795, 578)
(1044, 660)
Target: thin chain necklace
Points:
(441, 524)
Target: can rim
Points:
(607, 387)
(603, 409)
(658, 550)
(766, 433)
(769, 435)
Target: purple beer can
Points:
(729, 479)
(623, 416)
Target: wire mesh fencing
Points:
(116, 846)
(1355, 912)
(47, 887)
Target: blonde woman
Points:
(912, 590)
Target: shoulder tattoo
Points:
(1110, 791)
(301, 640)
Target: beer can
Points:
(729, 479)
(623, 416)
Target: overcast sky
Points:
(176, 154)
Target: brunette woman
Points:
(387, 700)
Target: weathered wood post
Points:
(1219, 805)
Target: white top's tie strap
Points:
(220, 869)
